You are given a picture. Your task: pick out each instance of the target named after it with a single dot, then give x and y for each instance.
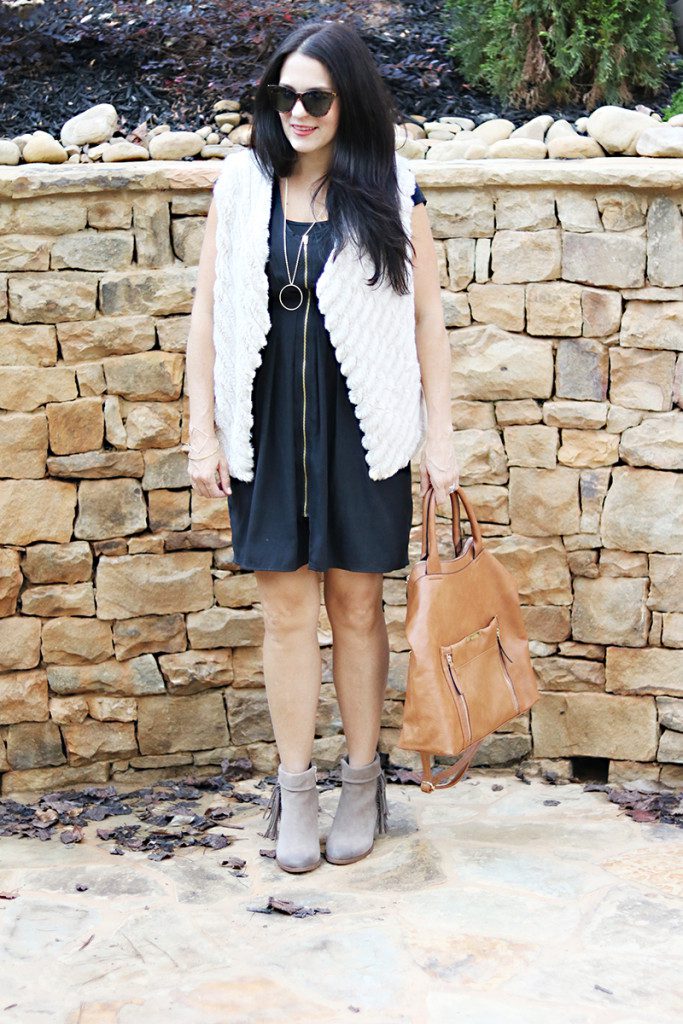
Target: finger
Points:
(425, 479)
(441, 495)
(224, 476)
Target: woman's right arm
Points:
(199, 382)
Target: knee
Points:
(283, 619)
(356, 614)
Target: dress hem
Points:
(313, 568)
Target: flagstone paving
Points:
(483, 905)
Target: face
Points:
(301, 73)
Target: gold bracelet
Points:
(198, 458)
(437, 466)
(197, 430)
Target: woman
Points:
(318, 364)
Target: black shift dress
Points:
(312, 500)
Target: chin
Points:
(304, 143)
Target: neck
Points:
(311, 166)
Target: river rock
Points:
(241, 135)
(660, 140)
(465, 147)
(42, 148)
(466, 123)
(617, 129)
(558, 129)
(534, 129)
(118, 152)
(97, 124)
(216, 150)
(493, 130)
(411, 149)
(441, 134)
(518, 149)
(573, 147)
(175, 145)
(10, 154)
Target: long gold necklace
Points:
(292, 290)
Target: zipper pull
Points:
(500, 642)
(452, 674)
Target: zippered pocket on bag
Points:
(459, 696)
(478, 655)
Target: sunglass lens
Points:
(282, 98)
(317, 102)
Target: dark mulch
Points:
(169, 61)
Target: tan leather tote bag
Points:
(469, 668)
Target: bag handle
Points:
(430, 549)
(449, 775)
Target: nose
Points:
(299, 109)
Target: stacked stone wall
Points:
(130, 641)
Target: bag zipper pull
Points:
(501, 645)
(449, 659)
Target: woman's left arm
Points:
(438, 464)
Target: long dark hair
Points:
(362, 188)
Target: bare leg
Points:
(292, 664)
(360, 656)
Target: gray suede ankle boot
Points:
(361, 812)
(293, 820)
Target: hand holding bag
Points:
(469, 668)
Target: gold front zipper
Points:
(501, 644)
(461, 695)
(303, 369)
(508, 680)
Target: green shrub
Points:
(536, 53)
(676, 105)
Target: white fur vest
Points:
(372, 329)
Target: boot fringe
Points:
(274, 809)
(382, 805)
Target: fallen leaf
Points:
(288, 907)
(71, 835)
(233, 862)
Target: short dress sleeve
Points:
(418, 195)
